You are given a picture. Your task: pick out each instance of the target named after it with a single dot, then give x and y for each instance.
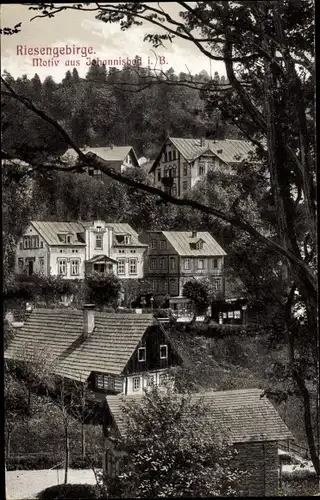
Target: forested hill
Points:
(109, 107)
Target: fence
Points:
(301, 451)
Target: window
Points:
(150, 380)
(141, 354)
(127, 240)
(74, 267)
(41, 264)
(174, 190)
(69, 238)
(163, 286)
(164, 157)
(170, 156)
(121, 266)
(214, 263)
(173, 286)
(163, 378)
(136, 383)
(174, 155)
(153, 264)
(185, 169)
(41, 244)
(237, 315)
(20, 264)
(187, 264)
(163, 352)
(217, 284)
(154, 285)
(199, 245)
(132, 266)
(200, 264)
(172, 263)
(62, 238)
(26, 242)
(21, 245)
(174, 172)
(201, 170)
(99, 242)
(105, 382)
(159, 175)
(153, 244)
(185, 185)
(34, 242)
(62, 267)
(163, 244)
(121, 251)
(161, 263)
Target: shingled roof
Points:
(180, 240)
(242, 415)
(108, 349)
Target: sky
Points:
(105, 41)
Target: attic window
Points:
(219, 151)
(62, 238)
(127, 240)
(141, 354)
(69, 238)
(199, 245)
(163, 352)
(237, 157)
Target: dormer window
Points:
(127, 240)
(199, 245)
(99, 242)
(69, 238)
(62, 238)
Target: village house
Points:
(112, 353)
(181, 163)
(119, 158)
(72, 249)
(174, 257)
(248, 420)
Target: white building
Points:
(72, 249)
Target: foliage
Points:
(197, 291)
(51, 288)
(69, 491)
(103, 288)
(173, 450)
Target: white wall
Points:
(68, 253)
(129, 253)
(90, 236)
(143, 381)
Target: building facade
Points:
(181, 162)
(175, 257)
(71, 249)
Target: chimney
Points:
(202, 142)
(88, 319)
(194, 234)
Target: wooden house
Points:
(113, 353)
(249, 420)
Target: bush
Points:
(72, 491)
(103, 288)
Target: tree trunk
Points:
(308, 421)
(8, 450)
(83, 440)
(67, 453)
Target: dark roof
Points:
(180, 240)
(107, 350)
(242, 415)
